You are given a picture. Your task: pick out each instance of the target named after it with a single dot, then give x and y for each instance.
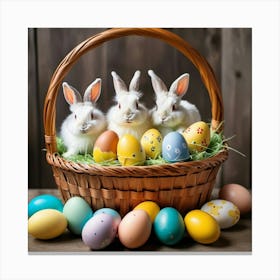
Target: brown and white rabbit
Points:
(128, 116)
(81, 128)
(171, 113)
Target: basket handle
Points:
(205, 70)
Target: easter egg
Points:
(135, 229)
(151, 142)
(197, 136)
(78, 212)
(169, 226)
(105, 147)
(150, 207)
(99, 231)
(238, 195)
(224, 212)
(174, 147)
(130, 151)
(202, 227)
(116, 216)
(44, 201)
(47, 224)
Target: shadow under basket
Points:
(184, 186)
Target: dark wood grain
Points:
(237, 89)
(34, 113)
(237, 239)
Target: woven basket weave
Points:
(185, 185)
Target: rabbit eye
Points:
(174, 107)
(75, 116)
(92, 116)
(137, 105)
(119, 105)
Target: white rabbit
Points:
(128, 116)
(171, 113)
(81, 128)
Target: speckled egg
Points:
(99, 231)
(174, 147)
(105, 147)
(225, 212)
(151, 142)
(169, 226)
(197, 136)
(130, 151)
(116, 216)
(135, 229)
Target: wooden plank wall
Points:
(227, 50)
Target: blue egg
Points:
(116, 216)
(169, 226)
(44, 201)
(174, 147)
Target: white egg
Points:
(225, 212)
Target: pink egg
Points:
(99, 231)
(135, 229)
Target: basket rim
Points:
(157, 170)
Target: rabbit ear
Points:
(135, 81)
(93, 91)
(157, 83)
(71, 95)
(180, 85)
(119, 84)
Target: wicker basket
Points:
(185, 185)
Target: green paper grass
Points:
(217, 144)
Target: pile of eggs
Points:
(174, 147)
(49, 218)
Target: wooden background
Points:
(228, 50)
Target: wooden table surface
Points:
(237, 239)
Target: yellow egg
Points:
(105, 147)
(47, 224)
(150, 207)
(202, 227)
(130, 151)
(197, 136)
(151, 142)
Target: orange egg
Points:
(238, 195)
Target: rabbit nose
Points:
(129, 116)
(84, 127)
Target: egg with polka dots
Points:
(99, 231)
(151, 142)
(224, 212)
(197, 136)
(175, 148)
(130, 151)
